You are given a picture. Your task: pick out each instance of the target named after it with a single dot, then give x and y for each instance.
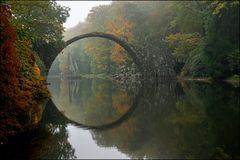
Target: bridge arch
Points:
(130, 51)
(122, 42)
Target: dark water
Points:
(94, 118)
(168, 120)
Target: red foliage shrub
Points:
(17, 93)
(9, 61)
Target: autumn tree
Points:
(20, 89)
(120, 27)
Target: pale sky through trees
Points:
(79, 10)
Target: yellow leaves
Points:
(218, 6)
(37, 71)
(119, 55)
(120, 102)
(120, 27)
(183, 43)
(188, 39)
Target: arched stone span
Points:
(131, 52)
(122, 42)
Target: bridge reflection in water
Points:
(171, 120)
(91, 103)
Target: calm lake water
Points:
(95, 118)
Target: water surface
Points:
(165, 120)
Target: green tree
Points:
(40, 22)
(217, 25)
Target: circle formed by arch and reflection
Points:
(92, 103)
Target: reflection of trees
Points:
(92, 102)
(206, 121)
(53, 144)
(121, 101)
(51, 141)
(201, 122)
(58, 147)
(102, 107)
(191, 120)
(112, 104)
(48, 141)
(144, 134)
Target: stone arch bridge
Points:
(157, 68)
